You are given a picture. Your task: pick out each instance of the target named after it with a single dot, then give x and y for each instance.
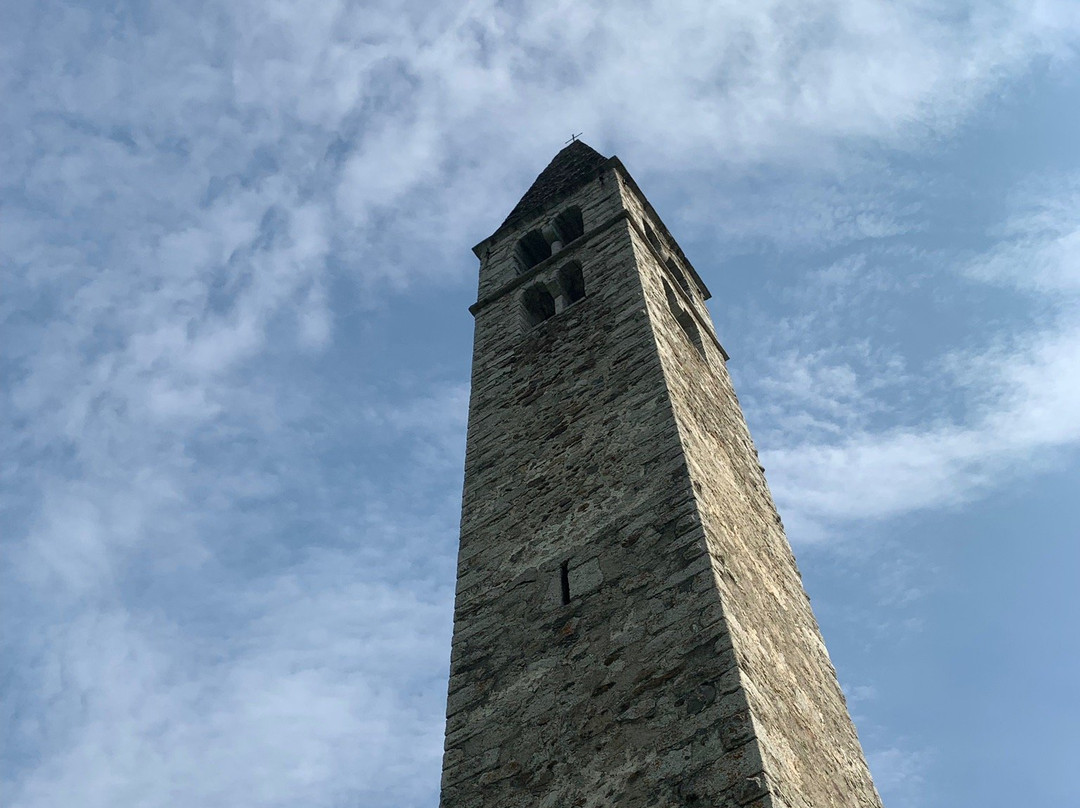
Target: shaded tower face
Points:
(630, 628)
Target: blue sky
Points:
(235, 243)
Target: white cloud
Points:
(1024, 399)
(177, 180)
(332, 686)
(1039, 246)
(899, 773)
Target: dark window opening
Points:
(672, 300)
(572, 282)
(569, 225)
(654, 239)
(685, 320)
(538, 304)
(532, 249)
(680, 276)
(693, 333)
(564, 582)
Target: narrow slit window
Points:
(564, 582)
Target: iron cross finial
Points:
(573, 137)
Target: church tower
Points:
(630, 628)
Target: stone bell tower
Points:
(630, 628)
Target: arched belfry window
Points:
(532, 249)
(538, 304)
(685, 320)
(572, 282)
(653, 239)
(672, 298)
(678, 274)
(569, 225)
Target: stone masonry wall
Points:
(629, 695)
(686, 669)
(811, 753)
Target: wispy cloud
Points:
(229, 553)
(899, 773)
(1022, 394)
(313, 679)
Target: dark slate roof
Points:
(572, 167)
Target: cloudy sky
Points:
(235, 252)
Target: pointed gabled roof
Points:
(572, 167)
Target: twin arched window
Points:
(545, 299)
(543, 242)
